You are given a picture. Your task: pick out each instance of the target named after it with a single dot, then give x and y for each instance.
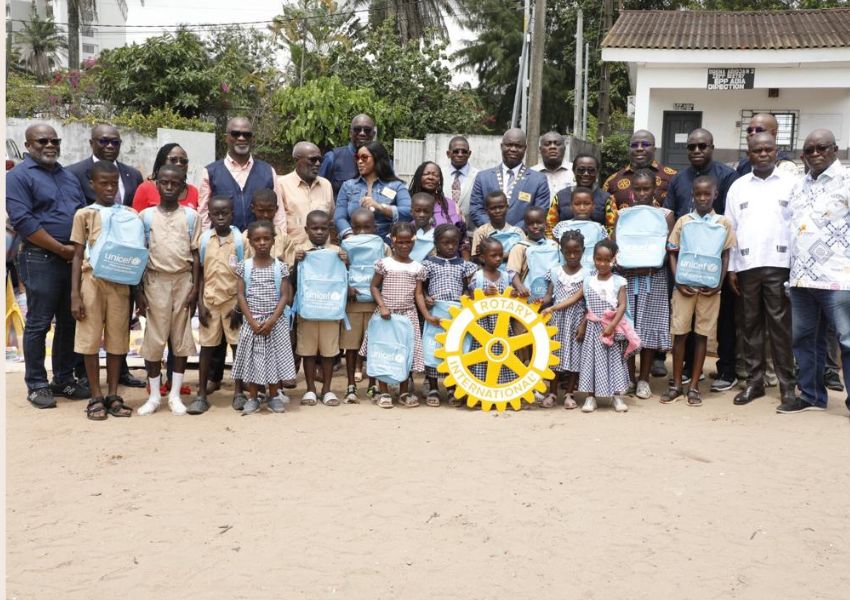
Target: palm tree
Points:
(79, 11)
(413, 20)
(41, 41)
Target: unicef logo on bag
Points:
(136, 261)
(388, 356)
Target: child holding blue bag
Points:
(264, 352)
(593, 232)
(422, 208)
(442, 281)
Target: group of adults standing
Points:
(42, 197)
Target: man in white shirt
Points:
(558, 173)
(757, 206)
(458, 184)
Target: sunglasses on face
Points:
(312, 159)
(585, 170)
(819, 148)
(751, 130)
(363, 157)
(115, 143)
(241, 134)
(362, 129)
(640, 144)
(459, 151)
(178, 160)
(46, 141)
(701, 146)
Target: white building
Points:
(714, 70)
(99, 30)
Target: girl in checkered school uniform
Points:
(444, 277)
(394, 288)
(648, 295)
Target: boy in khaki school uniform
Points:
(101, 308)
(169, 289)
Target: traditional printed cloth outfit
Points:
(603, 368)
(489, 323)
(565, 286)
(445, 277)
(398, 290)
(263, 359)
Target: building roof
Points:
(727, 30)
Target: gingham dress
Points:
(568, 319)
(603, 368)
(489, 323)
(263, 359)
(445, 277)
(397, 290)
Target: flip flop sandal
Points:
(385, 401)
(372, 391)
(309, 399)
(408, 400)
(569, 402)
(351, 395)
(330, 399)
(358, 376)
(96, 410)
(671, 395)
(115, 407)
(694, 398)
(548, 401)
(433, 399)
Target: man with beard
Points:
(339, 164)
(304, 191)
(558, 173)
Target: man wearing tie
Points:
(523, 187)
(458, 185)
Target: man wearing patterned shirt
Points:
(820, 267)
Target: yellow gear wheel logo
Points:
(497, 350)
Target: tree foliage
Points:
(41, 42)
(423, 19)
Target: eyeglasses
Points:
(701, 146)
(109, 142)
(362, 129)
(819, 148)
(459, 151)
(46, 141)
(585, 170)
(641, 144)
(364, 157)
(178, 160)
(751, 130)
(241, 134)
(312, 159)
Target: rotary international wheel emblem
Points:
(492, 374)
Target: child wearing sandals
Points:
(647, 291)
(444, 277)
(603, 351)
(394, 288)
(264, 353)
(565, 289)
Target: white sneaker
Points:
(177, 407)
(589, 405)
(619, 404)
(149, 407)
(643, 391)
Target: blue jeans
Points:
(47, 279)
(812, 310)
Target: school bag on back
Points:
(322, 286)
(700, 249)
(238, 243)
(363, 251)
(147, 220)
(423, 246)
(642, 237)
(509, 239)
(540, 257)
(119, 255)
(592, 231)
(389, 349)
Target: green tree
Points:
(79, 11)
(412, 20)
(41, 41)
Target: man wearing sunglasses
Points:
(304, 191)
(458, 185)
(41, 199)
(339, 164)
(105, 145)
(820, 267)
(765, 123)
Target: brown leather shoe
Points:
(748, 395)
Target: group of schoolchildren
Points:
(279, 303)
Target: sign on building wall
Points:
(731, 79)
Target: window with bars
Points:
(786, 136)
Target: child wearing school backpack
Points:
(169, 289)
(100, 306)
(699, 272)
(496, 207)
(318, 336)
(264, 353)
(422, 209)
(221, 250)
(593, 232)
(536, 253)
(647, 291)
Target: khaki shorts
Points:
(167, 315)
(317, 338)
(219, 324)
(700, 310)
(359, 314)
(107, 307)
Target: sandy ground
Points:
(358, 502)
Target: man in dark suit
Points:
(106, 145)
(522, 186)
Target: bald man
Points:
(524, 187)
(339, 165)
(304, 190)
(766, 123)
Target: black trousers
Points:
(726, 333)
(766, 307)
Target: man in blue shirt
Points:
(339, 164)
(41, 199)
